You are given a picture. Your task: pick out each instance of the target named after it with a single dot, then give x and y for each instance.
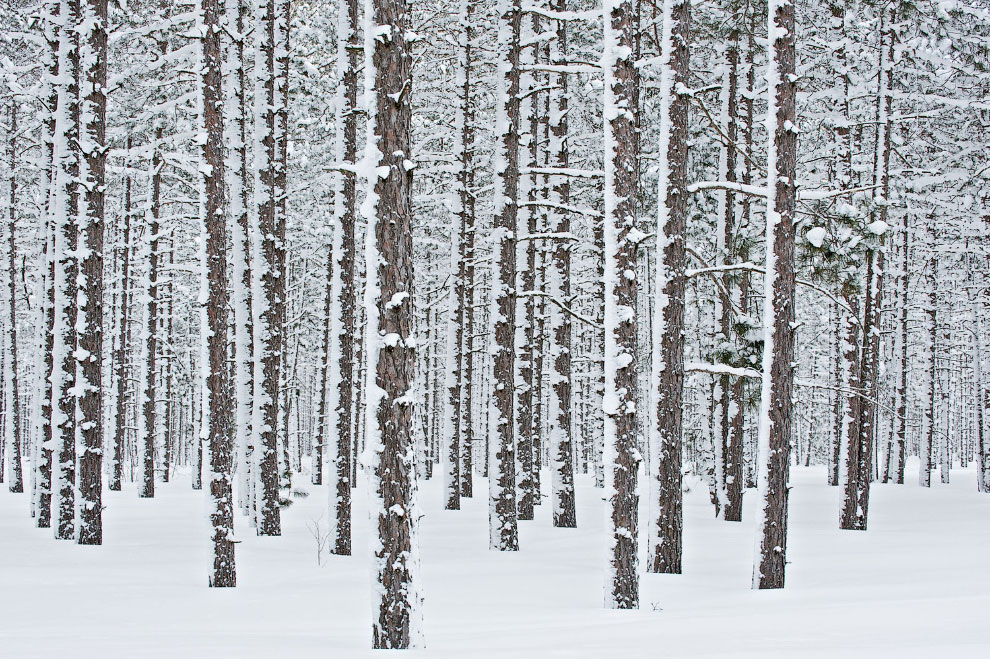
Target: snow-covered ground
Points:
(917, 584)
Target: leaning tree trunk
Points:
(214, 262)
(622, 238)
(503, 531)
(390, 348)
(778, 311)
(668, 322)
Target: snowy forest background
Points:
(651, 278)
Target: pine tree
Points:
(214, 263)
(668, 322)
(778, 312)
(390, 343)
(89, 350)
(503, 529)
(622, 238)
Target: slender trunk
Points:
(928, 426)
(503, 533)
(14, 453)
(66, 267)
(622, 238)
(668, 322)
(778, 313)
(268, 286)
(465, 183)
(123, 338)
(149, 338)
(49, 192)
(237, 201)
(214, 262)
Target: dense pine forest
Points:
(465, 321)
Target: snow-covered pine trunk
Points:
(214, 262)
(280, 289)
(622, 238)
(89, 350)
(46, 315)
(982, 450)
(502, 515)
(525, 277)
(237, 201)
(902, 387)
(851, 385)
(66, 203)
(666, 427)
(466, 211)
(778, 310)
(343, 409)
(928, 422)
(266, 285)
(454, 335)
(149, 332)
(391, 347)
(559, 417)
(16, 473)
(116, 478)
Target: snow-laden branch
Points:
(720, 369)
(563, 171)
(591, 15)
(563, 307)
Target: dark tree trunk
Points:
(621, 244)
(148, 402)
(218, 375)
(16, 484)
(66, 270)
(465, 181)
(392, 357)
(559, 417)
(271, 260)
(123, 339)
(665, 550)
(503, 530)
(778, 370)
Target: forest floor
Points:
(917, 584)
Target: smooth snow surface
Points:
(915, 585)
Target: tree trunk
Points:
(389, 304)
(123, 338)
(465, 184)
(269, 287)
(66, 267)
(622, 238)
(778, 314)
(16, 484)
(214, 331)
(668, 322)
(559, 418)
(503, 533)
